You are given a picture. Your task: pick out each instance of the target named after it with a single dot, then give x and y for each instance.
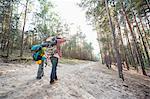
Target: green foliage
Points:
(45, 22)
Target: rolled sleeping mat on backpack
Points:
(45, 45)
(36, 47)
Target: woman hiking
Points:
(55, 55)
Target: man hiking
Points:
(39, 57)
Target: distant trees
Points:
(24, 24)
(77, 47)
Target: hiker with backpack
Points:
(55, 54)
(39, 57)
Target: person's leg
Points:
(56, 69)
(107, 66)
(45, 61)
(40, 72)
(53, 71)
(110, 65)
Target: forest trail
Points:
(90, 80)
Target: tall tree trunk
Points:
(100, 47)
(22, 38)
(122, 48)
(112, 51)
(101, 55)
(146, 37)
(102, 59)
(134, 40)
(132, 58)
(2, 37)
(6, 26)
(146, 51)
(9, 31)
(118, 58)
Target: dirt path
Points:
(84, 81)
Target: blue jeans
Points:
(54, 61)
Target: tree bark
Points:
(131, 57)
(22, 38)
(2, 37)
(144, 32)
(118, 58)
(9, 31)
(146, 51)
(134, 40)
(123, 50)
(100, 47)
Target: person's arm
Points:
(60, 41)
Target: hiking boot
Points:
(38, 77)
(52, 82)
(56, 78)
(42, 75)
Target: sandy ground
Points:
(89, 80)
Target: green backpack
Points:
(37, 51)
